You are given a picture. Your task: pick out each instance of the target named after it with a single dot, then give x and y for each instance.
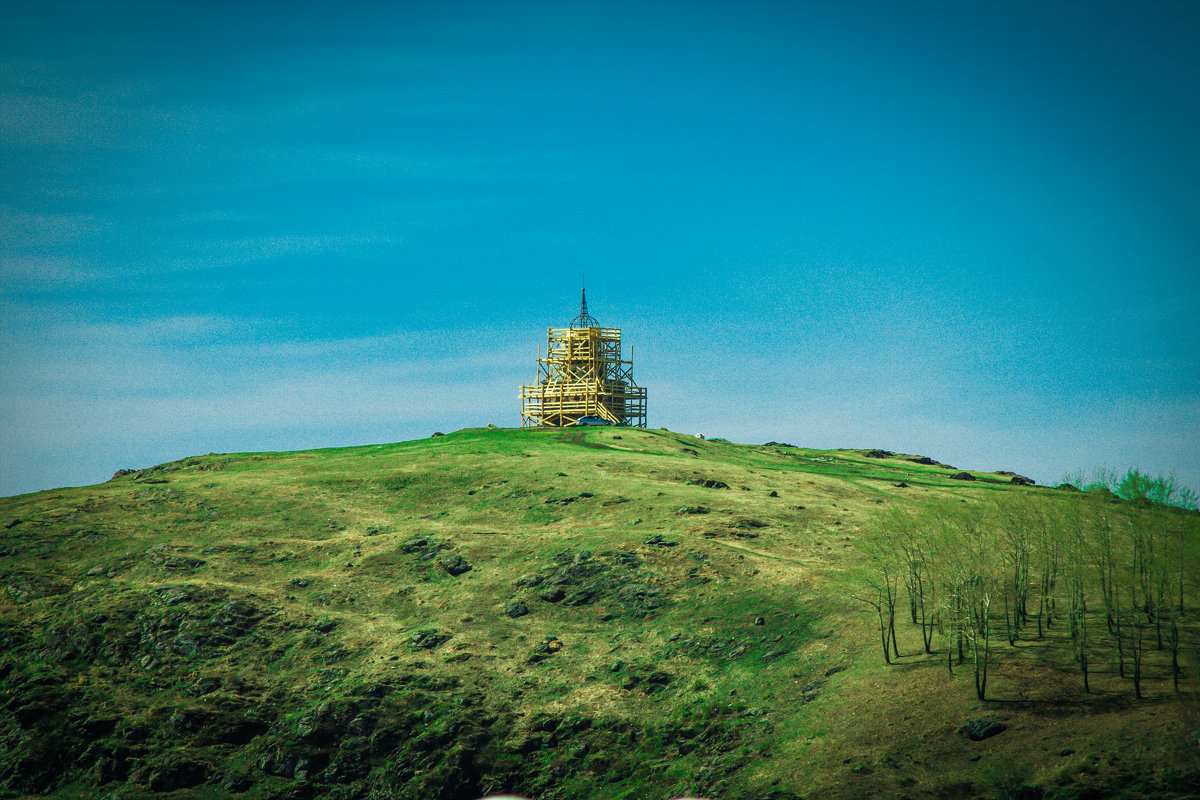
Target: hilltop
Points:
(597, 613)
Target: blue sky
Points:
(967, 230)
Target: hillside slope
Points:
(597, 613)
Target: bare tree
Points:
(1077, 571)
(881, 580)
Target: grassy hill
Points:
(601, 613)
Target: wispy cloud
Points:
(36, 274)
(232, 252)
(184, 383)
(20, 228)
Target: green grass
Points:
(317, 547)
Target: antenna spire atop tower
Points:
(584, 320)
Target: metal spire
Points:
(584, 320)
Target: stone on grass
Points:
(979, 729)
(426, 640)
(455, 564)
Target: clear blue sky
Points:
(967, 230)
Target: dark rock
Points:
(709, 483)
(834, 671)
(585, 596)
(979, 729)
(963, 476)
(530, 580)
(658, 541)
(901, 485)
(181, 564)
(174, 775)
(299, 583)
(657, 682)
(206, 685)
(879, 454)
(236, 783)
(760, 621)
(516, 610)
(436, 434)
(926, 460)
(628, 560)
(1021, 480)
(279, 763)
(360, 726)
(172, 595)
(553, 595)
(773, 493)
(810, 691)
(424, 547)
(427, 640)
(12, 522)
(455, 564)
(692, 510)
(324, 625)
(548, 646)
(778, 444)
(186, 646)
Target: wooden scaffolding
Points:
(583, 375)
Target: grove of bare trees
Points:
(1105, 574)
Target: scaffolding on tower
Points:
(583, 377)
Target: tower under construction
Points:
(583, 380)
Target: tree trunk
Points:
(1136, 651)
(1174, 641)
(883, 632)
(1120, 645)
